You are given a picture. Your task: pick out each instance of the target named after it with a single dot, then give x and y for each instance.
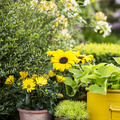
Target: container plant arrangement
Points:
(71, 110)
(36, 95)
(73, 71)
(103, 97)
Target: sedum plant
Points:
(74, 110)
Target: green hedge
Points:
(102, 52)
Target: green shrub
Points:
(102, 52)
(74, 110)
(26, 34)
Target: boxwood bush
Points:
(102, 52)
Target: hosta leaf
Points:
(106, 71)
(117, 59)
(99, 89)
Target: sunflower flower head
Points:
(63, 60)
(28, 84)
(89, 58)
(60, 78)
(9, 80)
(50, 53)
(51, 73)
(82, 58)
(23, 75)
(41, 81)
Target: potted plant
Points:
(103, 97)
(66, 67)
(74, 72)
(71, 110)
(36, 95)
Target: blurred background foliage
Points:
(103, 52)
(111, 8)
(21, 50)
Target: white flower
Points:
(104, 27)
(86, 2)
(65, 33)
(34, 2)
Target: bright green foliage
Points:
(102, 52)
(74, 110)
(100, 78)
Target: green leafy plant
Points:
(74, 110)
(67, 67)
(34, 93)
(74, 72)
(102, 77)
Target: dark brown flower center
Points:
(80, 57)
(63, 60)
(28, 86)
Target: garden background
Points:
(26, 38)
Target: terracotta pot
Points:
(34, 114)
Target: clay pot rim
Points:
(32, 111)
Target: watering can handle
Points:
(113, 109)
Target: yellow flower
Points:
(23, 75)
(34, 76)
(79, 58)
(60, 95)
(41, 81)
(28, 84)
(63, 60)
(46, 76)
(89, 58)
(51, 73)
(44, 8)
(69, 5)
(60, 78)
(34, 2)
(82, 58)
(100, 16)
(9, 80)
(50, 53)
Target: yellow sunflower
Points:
(9, 80)
(89, 58)
(80, 58)
(63, 60)
(50, 53)
(28, 84)
(41, 81)
(60, 78)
